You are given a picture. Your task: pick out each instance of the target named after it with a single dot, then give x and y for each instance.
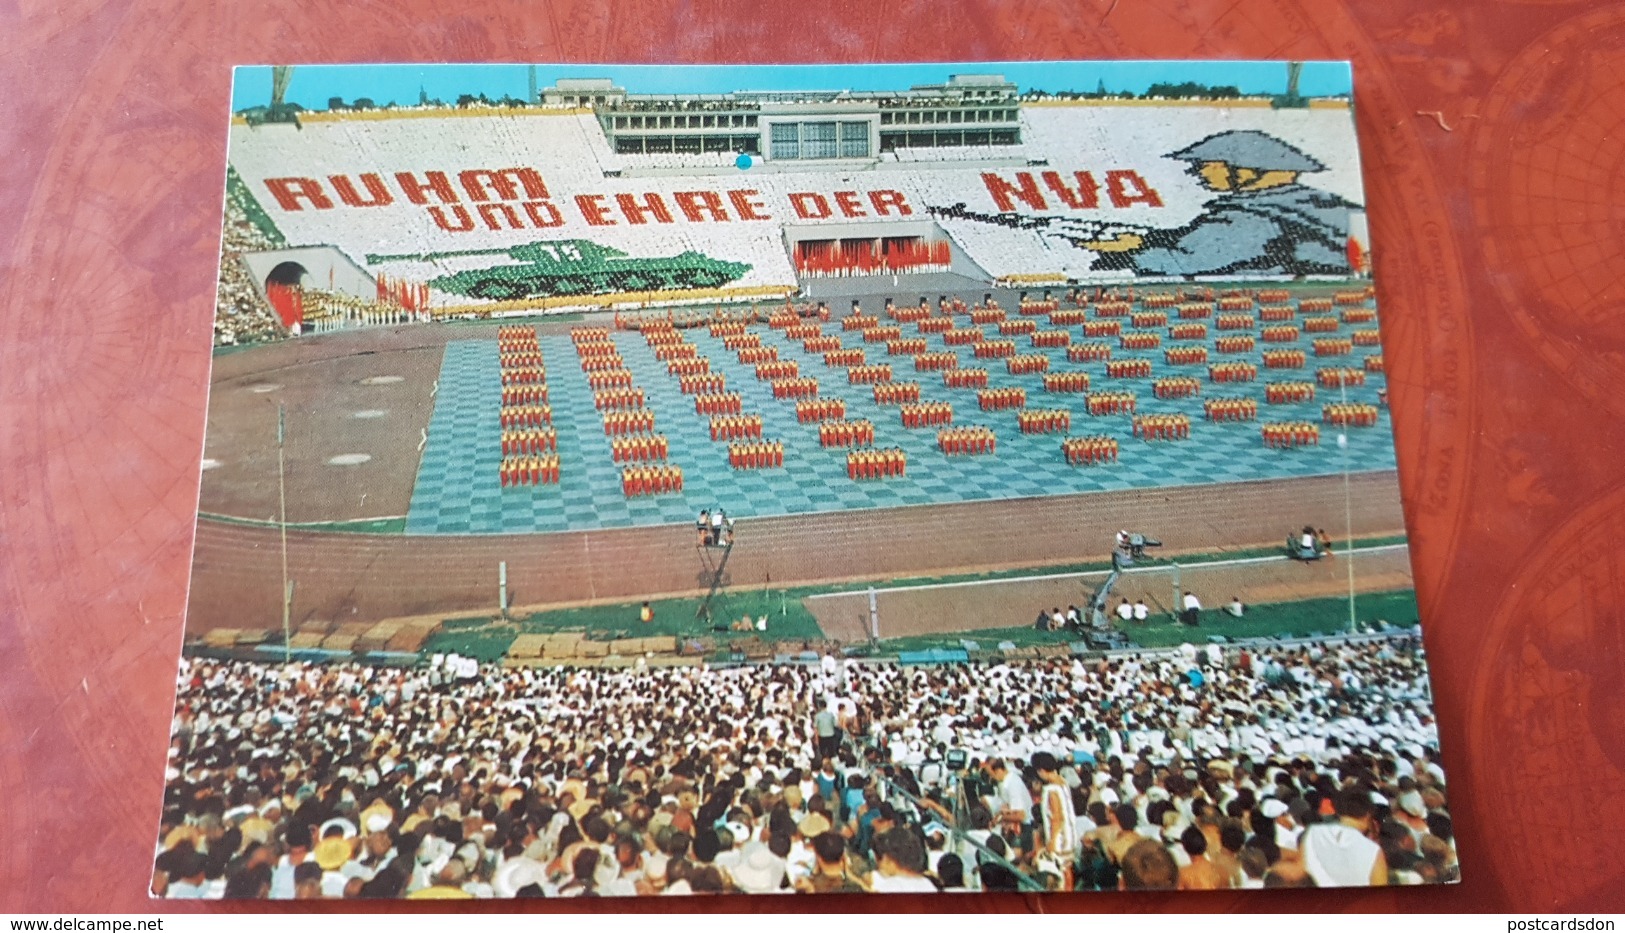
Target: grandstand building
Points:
(801, 126)
(592, 195)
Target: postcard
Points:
(631, 481)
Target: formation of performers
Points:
(876, 464)
(1066, 382)
(708, 384)
(675, 351)
(972, 440)
(1285, 359)
(1043, 420)
(846, 433)
(609, 379)
(804, 387)
(896, 393)
(1337, 377)
(1002, 399)
(1129, 369)
(883, 334)
(1111, 403)
(722, 403)
(526, 416)
(641, 448)
(1288, 434)
(819, 409)
(1162, 427)
(529, 471)
(965, 379)
(523, 375)
(1278, 393)
(869, 375)
(651, 480)
(756, 455)
(927, 414)
(523, 395)
(777, 369)
(1026, 364)
(1230, 409)
(516, 358)
(1036, 306)
(994, 349)
(693, 366)
(1185, 356)
(1088, 352)
(636, 421)
(530, 441)
(1176, 387)
(617, 399)
(1234, 372)
(1349, 415)
(1090, 450)
(734, 427)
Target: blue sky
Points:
(312, 85)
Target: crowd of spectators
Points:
(242, 315)
(1282, 765)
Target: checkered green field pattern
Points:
(458, 489)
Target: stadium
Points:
(489, 377)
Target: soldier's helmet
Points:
(1249, 149)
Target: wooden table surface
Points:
(1491, 136)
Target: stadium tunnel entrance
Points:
(287, 274)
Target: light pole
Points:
(282, 526)
(1348, 504)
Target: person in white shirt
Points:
(1060, 839)
(1012, 802)
(1124, 610)
(899, 864)
(1142, 612)
(1341, 854)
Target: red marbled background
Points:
(1492, 139)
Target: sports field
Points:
(395, 506)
